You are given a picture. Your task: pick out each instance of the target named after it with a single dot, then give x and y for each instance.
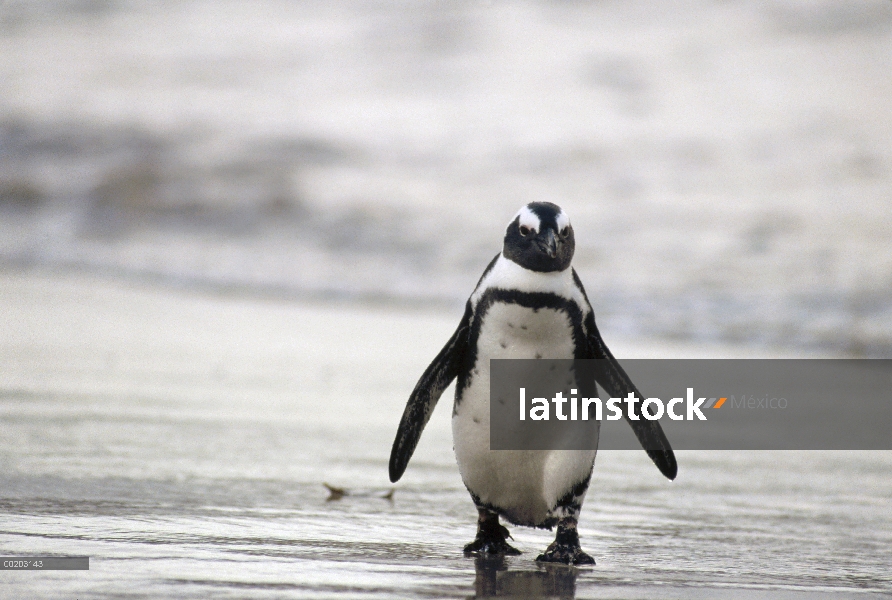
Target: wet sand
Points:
(182, 439)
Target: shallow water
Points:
(182, 442)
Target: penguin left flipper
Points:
(435, 379)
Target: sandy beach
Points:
(181, 439)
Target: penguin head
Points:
(540, 238)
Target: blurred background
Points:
(726, 164)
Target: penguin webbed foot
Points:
(565, 548)
(492, 544)
(492, 537)
(565, 554)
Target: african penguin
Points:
(529, 303)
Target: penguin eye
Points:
(524, 230)
(565, 232)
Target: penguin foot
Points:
(492, 537)
(484, 544)
(565, 548)
(568, 555)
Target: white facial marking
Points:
(562, 220)
(528, 219)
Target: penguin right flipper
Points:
(435, 379)
(613, 378)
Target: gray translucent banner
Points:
(827, 404)
(45, 563)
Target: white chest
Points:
(526, 484)
(514, 331)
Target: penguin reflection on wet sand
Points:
(529, 303)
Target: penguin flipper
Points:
(435, 379)
(611, 376)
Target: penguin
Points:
(529, 303)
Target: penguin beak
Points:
(547, 242)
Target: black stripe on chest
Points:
(532, 300)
